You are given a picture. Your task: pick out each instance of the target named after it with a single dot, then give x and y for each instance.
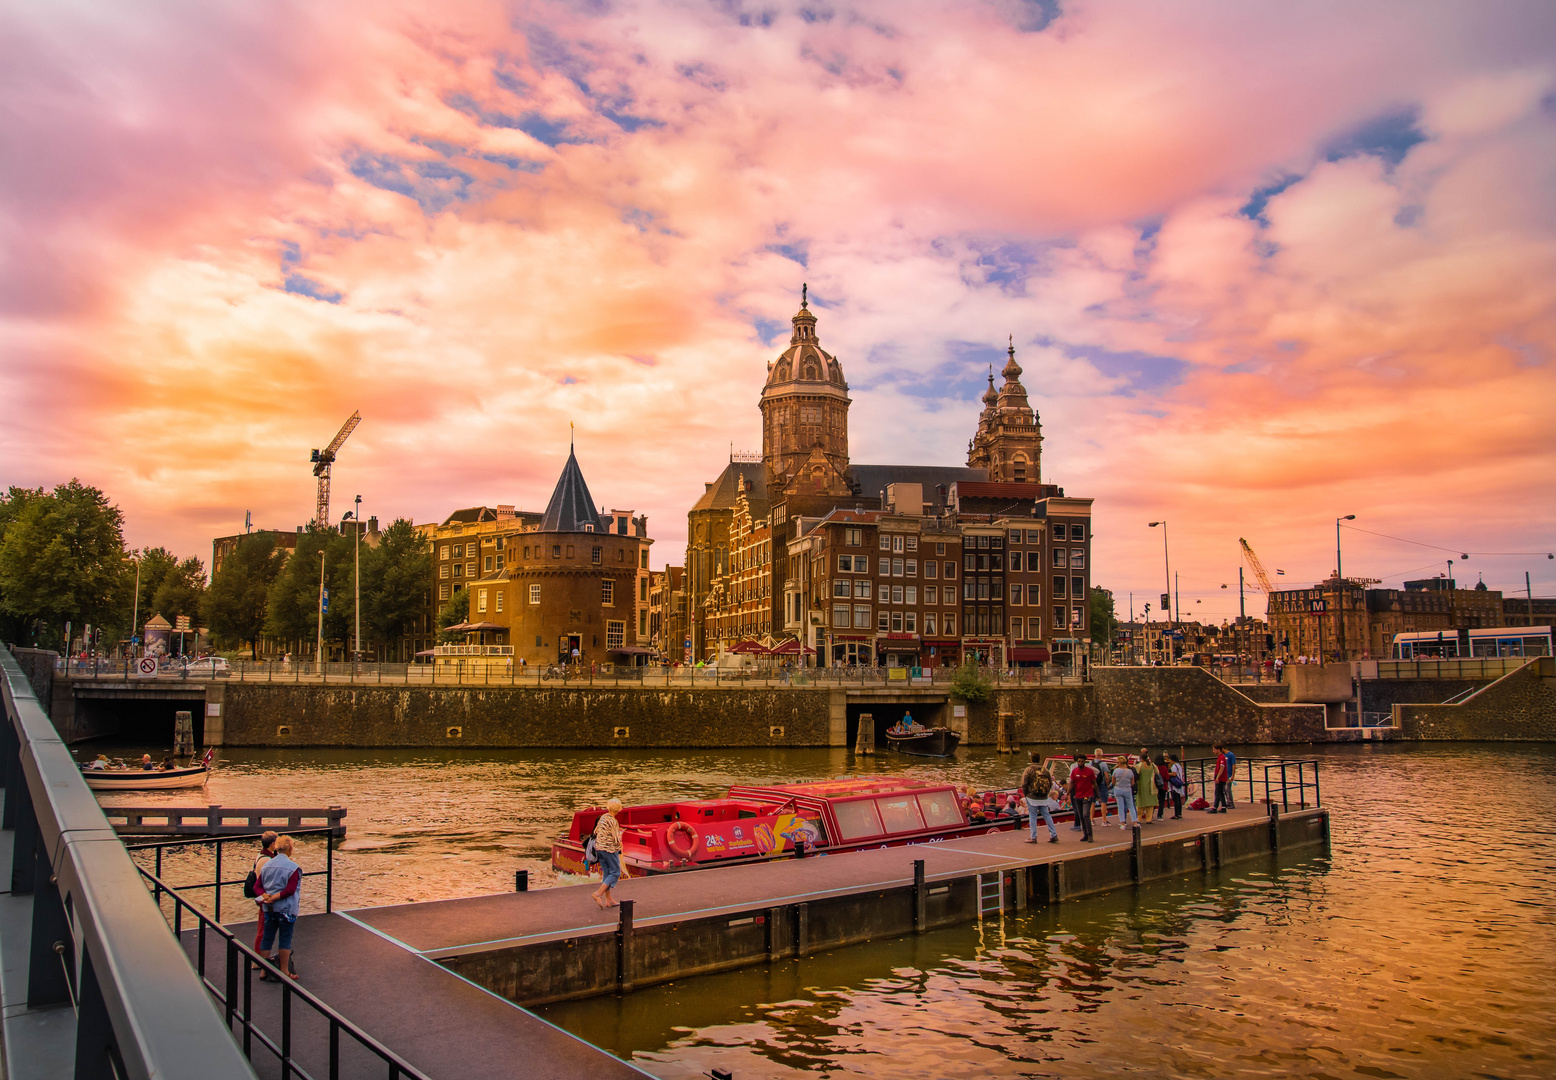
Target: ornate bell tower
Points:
(805, 416)
(1009, 441)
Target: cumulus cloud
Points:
(1262, 265)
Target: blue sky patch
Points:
(1254, 207)
(1138, 370)
(1035, 16)
(1389, 137)
(796, 252)
(432, 184)
(769, 330)
(298, 285)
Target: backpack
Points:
(251, 884)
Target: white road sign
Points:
(146, 667)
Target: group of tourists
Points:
(1136, 789)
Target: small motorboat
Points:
(139, 779)
(922, 741)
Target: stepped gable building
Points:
(578, 580)
(751, 521)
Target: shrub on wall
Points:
(971, 685)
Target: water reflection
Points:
(1418, 948)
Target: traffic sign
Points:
(324, 604)
(146, 667)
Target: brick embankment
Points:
(1520, 706)
(1169, 706)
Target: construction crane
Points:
(1257, 566)
(322, 460)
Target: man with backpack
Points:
(1037, 789)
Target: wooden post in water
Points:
(1006, 743)
(183, 734)
(864, 743)
(624, 963)
(918, 896)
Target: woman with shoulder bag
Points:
(607, 848)
(251, 889)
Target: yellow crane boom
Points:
(1257, 567)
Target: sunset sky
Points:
(1265, 264)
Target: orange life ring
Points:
(693, 841)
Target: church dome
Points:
(805, 360)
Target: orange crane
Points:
(322, 460)
(1257, 567)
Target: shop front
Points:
(852, 651)
(1026, 654)
(898, 650)
(941, 652)
(990, 651)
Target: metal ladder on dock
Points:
(991, 893)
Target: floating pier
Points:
(222, 820)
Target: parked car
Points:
(210, 667)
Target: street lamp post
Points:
(135, 610)
(321, 608)
(1167, 565)
(1339, 585)
(356, 605)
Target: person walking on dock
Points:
(1036, 788)
(1231, 774)
(1145, 790)
(282, 881)
(1124, 793)
(607, 845)
(1223, 798)
(1083, 790)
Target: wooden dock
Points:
(441, 982)
(221, 820)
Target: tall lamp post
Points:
(321, 608)
(356, 605)
(1339, 586)
(1167, 565)
(135, 609)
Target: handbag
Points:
(590, 856)
(251, 885)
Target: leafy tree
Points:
(1104, 622)
(62, 559)
(234, 605)
(155, 563)
(180, 592)
(457, 610)
(395, 579)
(971, 685)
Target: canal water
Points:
(1423, 944)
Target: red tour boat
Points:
(757, 822)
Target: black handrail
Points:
(328, 873)
(227, 996)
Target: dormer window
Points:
(588, 527)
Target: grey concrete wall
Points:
(1319, 682)
(1170, 706)
(39, 666)
(1520, 706)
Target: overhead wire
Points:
(1439, 547)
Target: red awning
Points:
(1033, 655)
(752, 648)
(791, 648)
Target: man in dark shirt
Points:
(1083, 789)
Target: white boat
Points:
(139, 779)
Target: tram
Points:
(1490, 641)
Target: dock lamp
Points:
(1347, 517)
(1166, 563)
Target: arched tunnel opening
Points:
(140, 722)
(890, 713)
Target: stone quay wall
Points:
(1171, 706)
(1519, 707)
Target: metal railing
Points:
(1266, 777)
(489, 671)
(99, 946)
(157, 847)
(237, 1004)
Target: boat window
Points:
(939, 808)
(747, 813)
(857, 819)
(900, 813)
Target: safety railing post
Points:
(217, 885)
(329, 874)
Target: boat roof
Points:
(845, 786)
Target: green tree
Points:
(395, 582)
(155, 563)
(292, 608)
(1104, 623)
(234, 605)
(457, 610)
(180, 592)
(63, 560)
(971, 685)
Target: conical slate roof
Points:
(571, 507)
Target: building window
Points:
(950, 624)
(486, 566)
(594, 556)
(643, 559)
(883, 621)
(1058, 586)
(499, 599)
(1077, 618)
(643, 590)
(969, 562)
(898, 543)
(1077, 532)
(1078, 559)
(443, 552)
(840, 616)
(499, 562)
(912, 543)
(911, 595)
(1034, 599)
(885, 542)
(931, 568)
(621, 555)
(1015, 629)
(863, 589)
(896, 568)
(845, 564)
(862, 616)
(526, 550)
(1015, 594)
(607, 593)
(443, 592)
(1034, 536)
(885, 568)
(1015, 560)
(896, 622)
(534, 594)
(1077, 587)
(470, 569)
(556, 551)
(910, 622)
(480, 600)
(840, 587)
(853, 537)
(939, 549)
(883, 593)
(896, 594)
(931, 595)
(1061, 560)
(929, 624)
(615, 634)
(970, 589)
(459, 569)
(1058, 618)
(1015, 536)
(443, 573)
(950, 570)
(983, 588)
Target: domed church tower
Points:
(805, 416)
(1010, 437)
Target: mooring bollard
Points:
(919, 896)
(521, 881)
